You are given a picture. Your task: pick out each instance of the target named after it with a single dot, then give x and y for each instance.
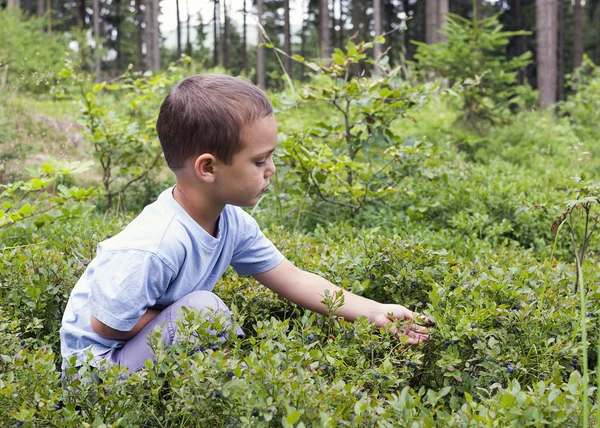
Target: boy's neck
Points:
(202, 211)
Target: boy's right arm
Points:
(110, 333)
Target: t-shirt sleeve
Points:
(254, 253)
(124, 284)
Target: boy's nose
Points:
(271, 169)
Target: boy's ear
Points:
(204, 167)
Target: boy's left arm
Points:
(308, 290)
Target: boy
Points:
(218, 135)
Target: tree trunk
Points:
(40, 8)
(178, 29)
(152, 34)
(546, 18)
(303, 45)
(561, 48)
(260, 54)
(244, 42)
(216, 31)
(225, 40)
(597, 53)
(577, 35)
(324, 29)
(287, 46)
(139, 51)
(118, 41)
(434, 17)
(13, 3)
(188, 44)
(378, 31)
(49, 15)
(96, 25)
(479, 9)
(80, 13)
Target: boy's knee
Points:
(204, 300)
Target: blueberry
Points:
(385, 377)
(413, 365)
(447, 343)
(22, 343)
(231, 421)
(255, 299)
(348, 336)
(217, 394)
(455, 341)
(474, 272)
(407, 364)
(311, 337)
(254, 412)
(324, 368)
(214, 347)
(475, 340)
(341, 330)
(440, 305)
(359, 394)
(510, 368)
(230, 373)
(489, 266)
(109, 236)
(413, 283)
(368, 348)
(376, 376)
(473, 326)
(371, 277)
(516, 307)
(201, 349)
(574, 361)
(19, 423)
(452, 287)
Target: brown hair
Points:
(206, 113)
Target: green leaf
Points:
(293, 417)
(99, 87)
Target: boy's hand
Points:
(387, 313)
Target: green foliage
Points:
(473, 59)
(31, 201)
(354, 158)
(124, 136)
(29, 58)
(581, 107)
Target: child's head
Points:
(207, 113)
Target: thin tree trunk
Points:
(245, 42)
(225, 41)
(479, 9)
(260, 59)
(49, 15)
(442, 11)
(287, 45)
(546, 18)
(378, 31)
(40, 8)
(13, 3)
(188, 45)
(96, 25)
(118, 41)
(597, 53)
(431, 18)
(561, 48)
(139, 51)
(152, 33)
(178, 29)
(577, 35)
(80, 13)
(216, 31)
(303, 45)
(324, 29)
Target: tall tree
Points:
(324, 28)
(216, 32)
(479, 9)
(560, 52)
(40, 8)
(260, 53)
(96, 25)
(287, 44)
(178, 29)
(435, 11)
(225, 38)
(577, 34)
(546, 13)
(188, 44)
(140, 23)
(244, 40)
(378, 31)
(152, 35)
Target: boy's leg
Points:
(137, 349)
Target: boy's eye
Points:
(261, 163)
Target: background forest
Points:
(441, 155)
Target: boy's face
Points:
(243, 181)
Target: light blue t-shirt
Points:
(161, 256)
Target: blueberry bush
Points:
(466, 237)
